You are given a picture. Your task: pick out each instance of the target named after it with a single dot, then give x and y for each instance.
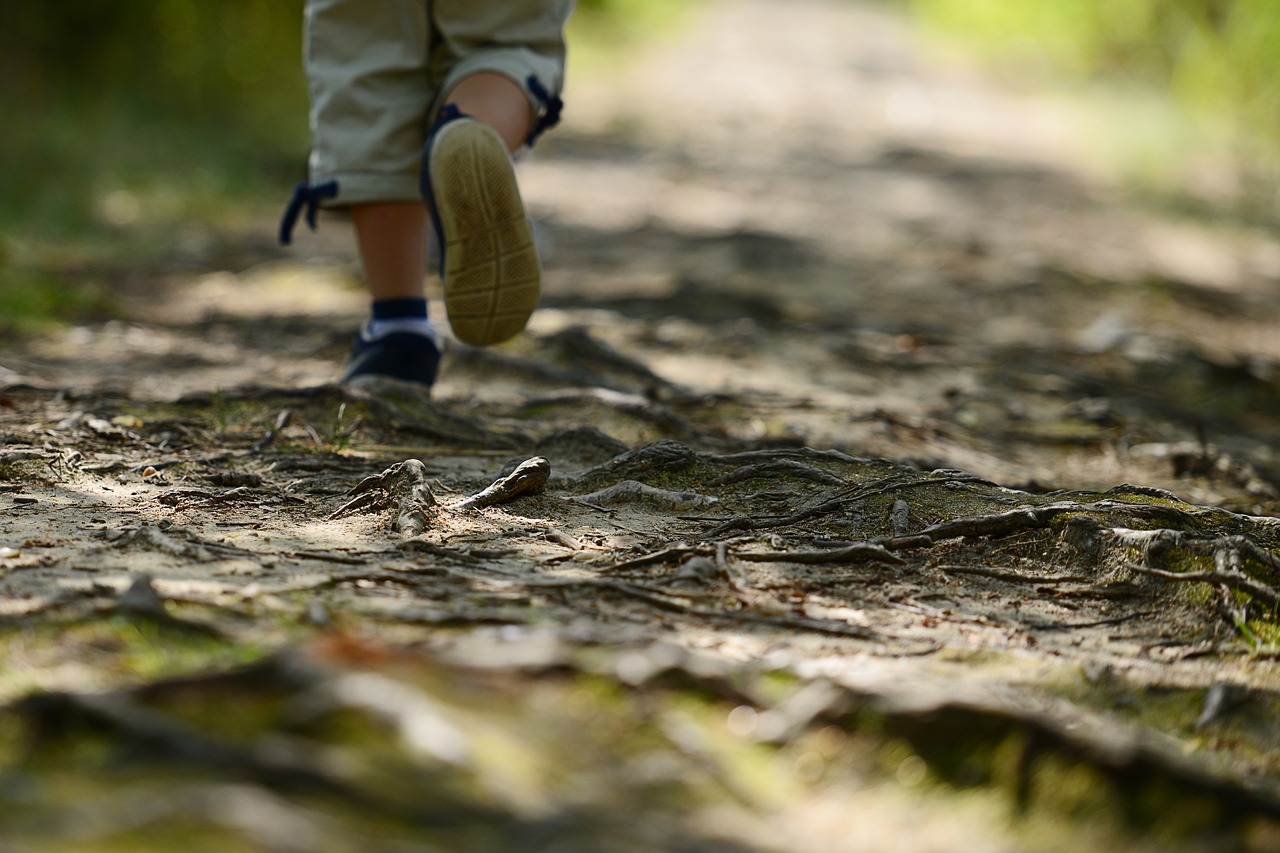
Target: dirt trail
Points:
(877, 427)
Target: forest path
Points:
(846, 370)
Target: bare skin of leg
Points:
(392, 236)
(496, 101)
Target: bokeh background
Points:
(126, 122)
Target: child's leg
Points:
(377, 74)
(398, 340)
(367, 69)
(392, 236)
(498, 102)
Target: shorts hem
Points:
(366, 188)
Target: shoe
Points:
(406, 356)
(488, 260)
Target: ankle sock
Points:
(399, 315)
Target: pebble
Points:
(6, 553)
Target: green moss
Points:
(118, 648)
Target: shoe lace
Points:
(306, 198)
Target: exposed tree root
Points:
(529, 478)
(665, 455)
(631, 491)
(779, 468)
(1232, 580)
(864, 552)
(402, 488)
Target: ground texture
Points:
(875, 476)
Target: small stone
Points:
(7, 553)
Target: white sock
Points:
(375, 329)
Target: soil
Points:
(900, 483)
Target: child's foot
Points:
(489, 263)
(407, 356)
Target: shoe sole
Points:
(491, 275)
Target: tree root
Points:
(631, 491)
(632, 404)
(403, 487)
(1232, 580)
(1012, 577)
(671, 552)
(860, 552)
(665, 455)
(779, 468)
(529, 478)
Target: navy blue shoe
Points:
(406, 356)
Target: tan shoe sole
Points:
(491, 275)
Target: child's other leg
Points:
(498, 102)
(500, 66)
(392, 236)
(489, 269)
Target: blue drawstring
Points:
(552, 106)
(305, 197)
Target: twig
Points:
(558, 536)
(793, 622)
(683, 605)
(1097, 623)
(328, 557)
(282, 420)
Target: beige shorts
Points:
(378, 69)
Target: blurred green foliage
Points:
(1216, 61)
(161, 108)
(154, 101)
(158, 111)
(128, 120)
